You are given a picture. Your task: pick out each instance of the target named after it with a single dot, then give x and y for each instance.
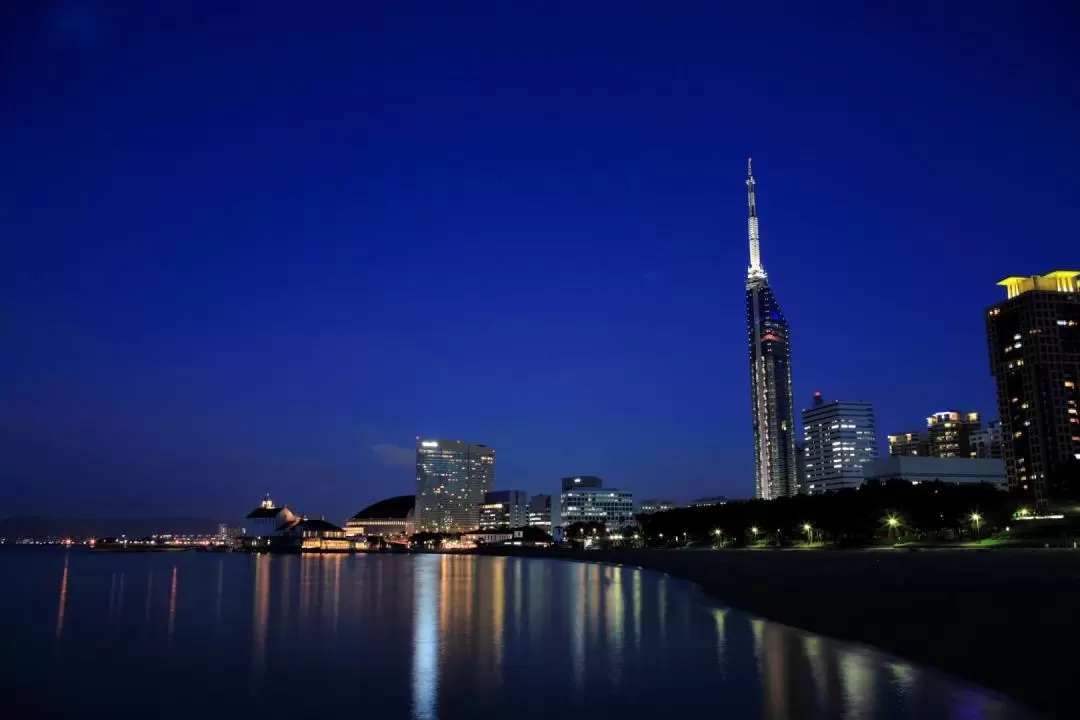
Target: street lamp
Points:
(893, 522)
(754, 530)
(977, 519)
(809, 530)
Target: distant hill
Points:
(39, 527)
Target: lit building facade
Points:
(317, 535)
(948, 433)
(656, 505)
(612, 507)
(392, 517)
(540, 512)
(452, 478)
(986, 442)
(267, 520)
(769, 353)
(839, 439)
(504, 508)
(908, 444)
(1034, 343)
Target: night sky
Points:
(253, 246)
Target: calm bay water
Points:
(428, 636)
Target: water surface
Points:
(428, 636)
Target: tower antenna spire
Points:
(756, 271)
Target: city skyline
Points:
(274, 279)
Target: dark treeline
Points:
(872, 513)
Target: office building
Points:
(769, 353)
(504, 508)
(911, 443)
(581, 481)
(958, 471)
(452, 478)
(655, 505)
(1034, 342)
(986, 442)
(948, 433)
(839, 439)
(540, 512)
(612, 507)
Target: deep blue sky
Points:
(255, 246)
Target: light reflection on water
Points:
(432, 636)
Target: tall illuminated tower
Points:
(452, 478)
(770, 373)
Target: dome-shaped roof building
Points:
(390, 517)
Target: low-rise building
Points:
(708, 501)
(961, 471)
(265, 521)
(487, 537)
(392, 517)
(310, 534)
(655, 505)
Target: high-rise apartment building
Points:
(1034, 343)
(909, 443)
(948, 433)
(540, 512)
(451, 480)
(769, 353)
(504, 508)
(839, 440)
(986, 442)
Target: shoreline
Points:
(1005, 620)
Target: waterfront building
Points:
(986, 442)
(656, 505)
(392, 517)
(504, 508)
(769, 351)
(310, 534)
(486, 537)
(451, 480)
(839, 439)
(581, 481)
(266, 520)
(612, 507)
(948, 433)
(540, 512)
(708, 501)
(1034, 343)
(911, 443)
(959, 471)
